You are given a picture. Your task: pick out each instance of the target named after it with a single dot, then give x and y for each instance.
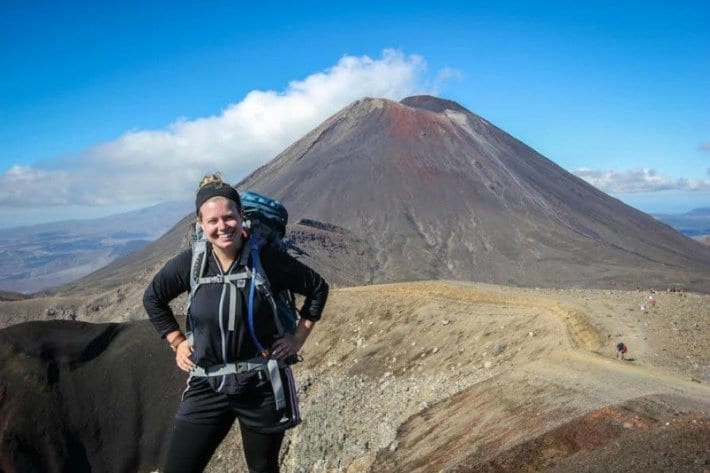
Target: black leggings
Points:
(192, 446)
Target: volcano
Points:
(434, 191)
(424, 189)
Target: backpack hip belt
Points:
(271, 367)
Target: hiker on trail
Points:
(621, 350)
(651, 301)
(232, 350)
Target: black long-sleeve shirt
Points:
(213, 343)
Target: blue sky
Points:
(106, 106)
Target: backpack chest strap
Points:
(234, 281)
(226, 278)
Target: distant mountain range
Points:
(695, 223)
(36, 257)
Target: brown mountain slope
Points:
(441, 193)
(11, 296)
(400, 377)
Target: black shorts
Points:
(252, 402)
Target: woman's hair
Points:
(215, 178)
(212, 186)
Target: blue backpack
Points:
(266, 220)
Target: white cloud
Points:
(444, 75)
(154, 165)
(639, 180)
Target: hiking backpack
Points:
(265, 219)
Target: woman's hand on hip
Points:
(182, 356)
(286, 346)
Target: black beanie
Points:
(216, 189)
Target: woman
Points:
(210, 404)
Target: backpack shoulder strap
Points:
(198, 263)
(197, 269)
(252, 244)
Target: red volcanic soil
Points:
(653, 434)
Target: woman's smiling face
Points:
(221, 223)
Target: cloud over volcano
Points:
(241, 137)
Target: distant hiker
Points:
(621, 350)
(233, 350)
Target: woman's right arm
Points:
(171, 281)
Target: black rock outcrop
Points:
(79, 397)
